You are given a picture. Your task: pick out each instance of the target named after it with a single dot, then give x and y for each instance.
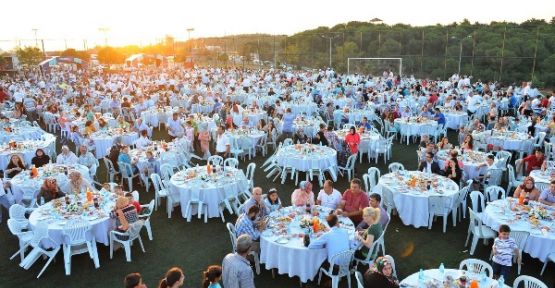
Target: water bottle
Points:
(442, 269)
(420, 278)
(501, 282)
(41, 201)
(483, 278)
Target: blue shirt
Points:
(245, 225)
(335, 241)
(288, 119)
(125, 159)
(440, 118)
(546, 195)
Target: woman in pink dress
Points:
(204, 139)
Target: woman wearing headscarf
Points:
(40, 158)
(380, 275)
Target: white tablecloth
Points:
(412, 203)
(541, 176)
(514, 141)
(48, 142)
(211, 193)
(23, 183)
(470, 163)
(455, 119)
(368, 140)
(538, 245)
(413, 128)
(300, 108)
(155, 115)
(293, 156)
(103, 141)
(434, 276)
(100, 227)
(21, 133)
(246, 139)
(254, 117)
(292, 258)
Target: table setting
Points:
(454, 119)
(209, 186)
(507, 140)
(25, 148)
(247, 138)
(154, 115)
(309, 125)
(92, 206)
(303, 157)
(535, 218)
(543, 176)
(411, 190)
(470, 159)
(282, 243)
(104, 139)
(449, 278)
(415, 126)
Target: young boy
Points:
(504, 248)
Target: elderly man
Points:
(66, 157)
(256, 200)
(86, 158)
(303, 195)
(236, 269)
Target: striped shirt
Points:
(505, 249)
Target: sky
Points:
(67, 23)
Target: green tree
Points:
(76, 54)
(29, 55)
(109, 55)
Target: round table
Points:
(434, 278)
(470, 159)
(301, 108)
(455, 119)
(303, 157)
(309, 125)
(22, 182)
(415, 126)
(211, 189)
(27, 149)
(254, 117)
(103, 140)
(56, 218)
(508, 140)
(154, 115)
(368, 139)
(412, 202)
(542, 176)
(19, 133)
(282, 246)
(246, 138)
(542, 236)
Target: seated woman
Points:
(370, 216)
(125, 158)
(125, 214)
(380, 275)
(453, 169)
(300, 137)
(89, 128)
(76, 183)
(15, 166)
(468, 143)
(40, 158)
(528, 187)
(49, 190)
(444, 144)
(272, 200)
(352, 140)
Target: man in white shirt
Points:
(66, 157)
(175, 129)
(140, 125)
(87, 159)
(329, 196)
(142, 142)
(223, 144)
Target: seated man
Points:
(329, 196)
(142, 142)
(547, 196)
(530, 162)
(336, 240)
(175, 129)
(256, 200)
(376, 202)
(86, 158)
(429, 166)
(439, 117)
(353, 201)
(367, 126)
(66, 157)
(246, 225)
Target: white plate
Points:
(282, 240)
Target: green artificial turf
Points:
(195, 245)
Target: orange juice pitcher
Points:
(521, 198)
(474, 284)
(208, 168)
(315, 225)
(34, 172)
(89, 196)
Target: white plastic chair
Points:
(528, 282)
(160, 191)
(250, 174)
(146, 217)
(127, 173)
(349, 167)
(371, 251)
(441, 206)
(550, 258)
(388, 200)
(231, 162)
(215, 160)
(476, 266)
(360, 280)
(40, 234)
(395, 166)
(111, 169)
(478, 231)
(132, 233)
(374, 175)
(17, 212)
(495, 193)
(78, 238)
(478, 202)
(233, 237)
(315, 170)
(167, 171)
(201, 206)
(512, 183)
(17, 229)
(343, 260)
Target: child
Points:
(272, 200)
(212, 276)
(504, 248)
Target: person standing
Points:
(237, 272)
